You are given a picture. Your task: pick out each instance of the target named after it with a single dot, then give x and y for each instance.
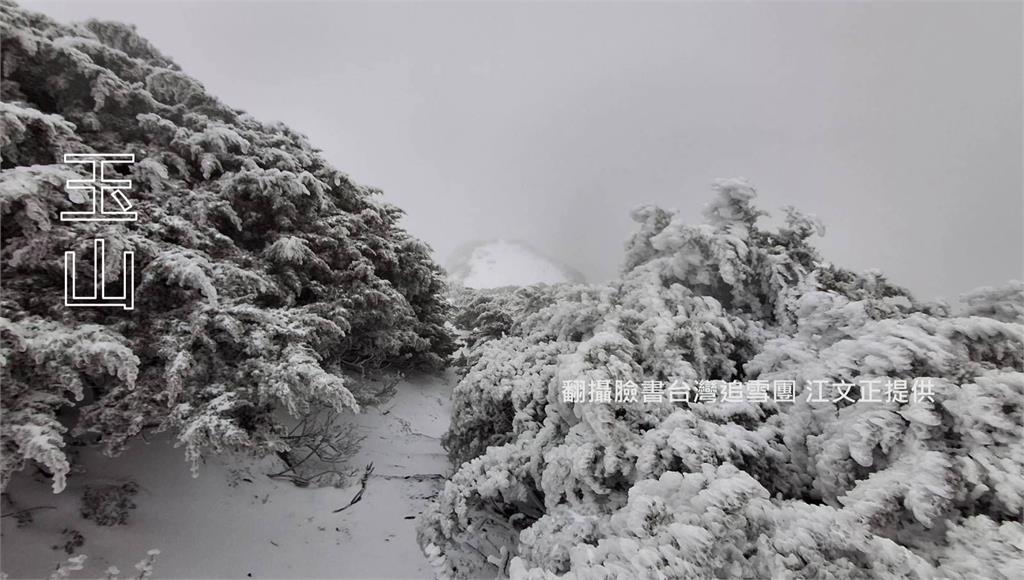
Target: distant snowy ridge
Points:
(497, 263)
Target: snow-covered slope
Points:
(234, 522)
(497, 263)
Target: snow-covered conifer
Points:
(263, 273)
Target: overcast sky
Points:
(900, 125)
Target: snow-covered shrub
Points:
(109, 504)
(632, 489)
(263, 273)
(319, 444)
(67, 568)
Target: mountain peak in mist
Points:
(499, 262)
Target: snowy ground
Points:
(207, 527)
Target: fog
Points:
(900, 125)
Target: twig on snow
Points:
(362, 488)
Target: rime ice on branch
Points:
(264, 272)
(546, 488)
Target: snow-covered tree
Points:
(264, 274)
(630, 489)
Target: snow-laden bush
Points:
(916, 489)
(109, 504)
(263, 273)
(143, 569)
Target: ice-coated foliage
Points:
(916, 489)
(263, 273)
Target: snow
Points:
(498, 263)
(205, 527)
